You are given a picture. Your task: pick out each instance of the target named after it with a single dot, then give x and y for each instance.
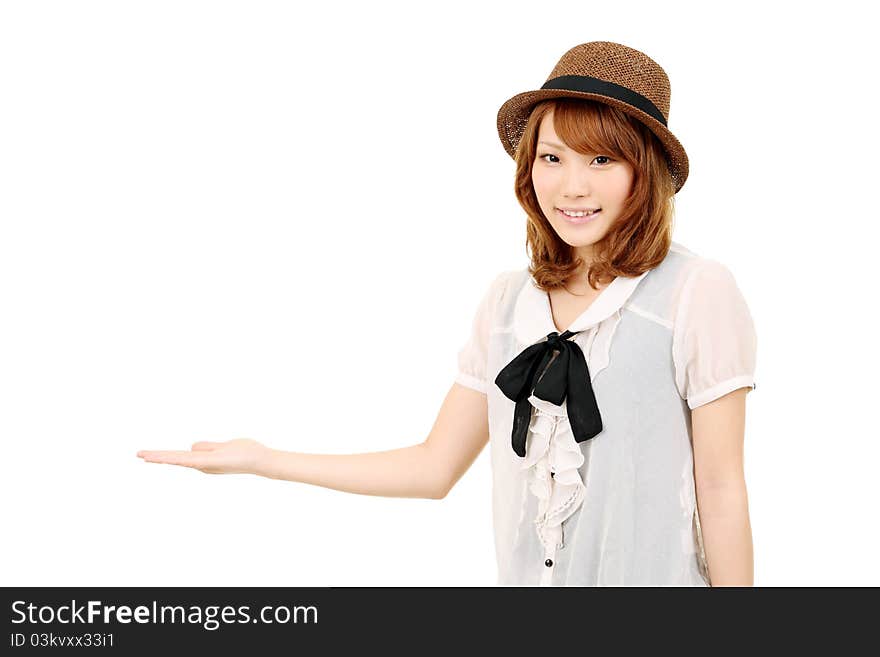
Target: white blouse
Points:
(618, 509)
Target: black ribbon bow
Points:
(567, 374)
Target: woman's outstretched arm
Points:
(426, 470)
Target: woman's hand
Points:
(238, 456)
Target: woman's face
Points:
(566, 179)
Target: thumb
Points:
(205, 446)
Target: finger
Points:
(144, 453)
(187, 459)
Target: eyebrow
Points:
(558, 146)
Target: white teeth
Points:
(578, 214)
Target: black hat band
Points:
(592, 85)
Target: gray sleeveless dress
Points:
(618, 509)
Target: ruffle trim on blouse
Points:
(553, 449)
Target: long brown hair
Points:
(641, 237)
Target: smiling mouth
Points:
(578, 220)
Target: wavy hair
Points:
(641, 236)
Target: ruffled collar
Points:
(533, 318)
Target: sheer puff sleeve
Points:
(714, 344)
(473, 357)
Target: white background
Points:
(275, 220)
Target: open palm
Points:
(238, 456)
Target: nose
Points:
(576, 181)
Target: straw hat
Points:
(610, 73)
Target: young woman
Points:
(609, 377)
